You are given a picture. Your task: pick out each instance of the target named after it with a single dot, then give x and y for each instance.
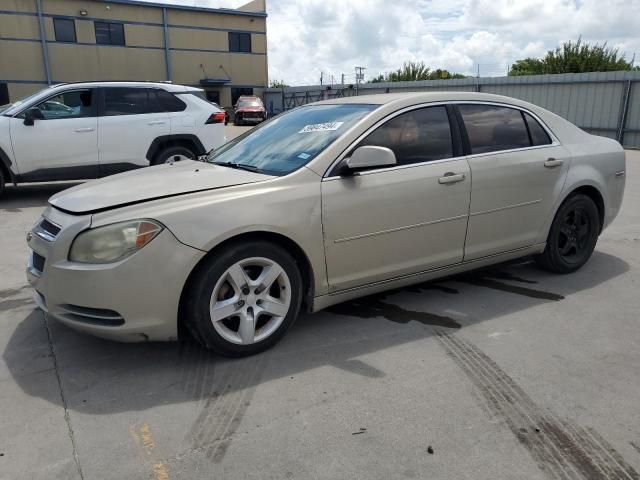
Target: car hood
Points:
(168, 180)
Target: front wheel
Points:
(243, 299)
(176, 153)
(573, 236)
(1, 182)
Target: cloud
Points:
(307, 37)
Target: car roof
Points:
(411, 98)
(170, 87)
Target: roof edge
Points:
(171, 6)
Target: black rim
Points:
(574, 234)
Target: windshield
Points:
(290, 140)
(249, 103)
(13, 108)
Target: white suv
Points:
(88, 130)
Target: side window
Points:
(417, 136)
(65, 30)
(538, 135)
(76, 104)
(491, 128)
(239, 42)
(109, 33)
(169, 102)
(127, 101)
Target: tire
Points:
(2, 180)
(238, 122)
(572, 237)
(243, 324)
(169, 153)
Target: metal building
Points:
(50, 41)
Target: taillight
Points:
(217, 117)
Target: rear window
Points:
(254, 102)
(493, 128)
(538, 134)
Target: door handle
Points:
(451, 177)
(553, 163)
(157, 122)
(85, 130)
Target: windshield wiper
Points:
(238, 166)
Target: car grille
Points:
(38, 262)
(251, 115)
(94, 316)
(47, 230)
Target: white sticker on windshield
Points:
(321, 127)
(304, 156)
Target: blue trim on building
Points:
(207, 50)
(89, 44)
(12, 39)
(131, 22)
(29, 82)
(213, 29)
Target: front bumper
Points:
(135, 299)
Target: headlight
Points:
(112, 243)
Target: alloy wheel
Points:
(250, 300)
(574, 233)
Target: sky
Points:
(307, 37)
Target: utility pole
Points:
(359, 76)
(321, 73)
(342, 82)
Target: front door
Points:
(517, 171)
(62, 145)
(400, 220)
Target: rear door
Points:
(63, 144)
(518, 171)
(400, 220)
(131, 118)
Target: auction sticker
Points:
(321, 127)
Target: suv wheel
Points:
(1, 182)
(174, 153)
(243, 299)
(573, 236)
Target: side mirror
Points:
(370, 156)
(31, 115)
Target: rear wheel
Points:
(572, 237)
(176, 153)
(243, 300)
(1, 182)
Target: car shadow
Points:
(31, 195)
(102, 377)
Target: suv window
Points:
(491, 128)
(169, 102)
(75, 104)
(538, 134)
(139, 101)
(126, 101)
(417, 136)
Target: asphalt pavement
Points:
(506, 373)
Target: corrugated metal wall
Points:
(602, 103)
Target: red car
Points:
(249, 110)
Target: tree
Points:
(412, 71)
(277, 84)
(573, 57)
